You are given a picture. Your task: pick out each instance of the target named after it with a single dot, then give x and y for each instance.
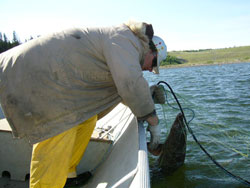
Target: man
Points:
(53, 88)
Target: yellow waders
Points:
(53, 159)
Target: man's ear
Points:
(149, 31)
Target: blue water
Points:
(220, 98)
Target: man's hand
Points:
(158, 94)
(152, 120)
(155, 132)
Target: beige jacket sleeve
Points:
(123, 57)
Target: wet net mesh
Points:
(224, 135)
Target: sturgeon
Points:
(173, 152)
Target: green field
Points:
(208, 56)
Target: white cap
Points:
(162, 52)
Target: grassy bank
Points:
(208, 57)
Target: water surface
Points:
(220, 97)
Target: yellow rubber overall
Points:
(53, 159)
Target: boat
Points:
(116, 154)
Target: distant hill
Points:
(208, 56)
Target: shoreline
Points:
(197, 65)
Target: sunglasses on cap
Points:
(154, 61)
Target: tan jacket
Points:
(55, 82)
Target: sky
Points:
(183, 24)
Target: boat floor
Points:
(121, 161)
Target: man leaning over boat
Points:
(54, 87)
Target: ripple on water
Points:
(220, 97)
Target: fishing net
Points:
(224, 136)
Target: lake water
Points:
(220, 97)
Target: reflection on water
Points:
(220, 97)
(1, 113)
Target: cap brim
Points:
(156, 69)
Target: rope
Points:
(238, 178)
